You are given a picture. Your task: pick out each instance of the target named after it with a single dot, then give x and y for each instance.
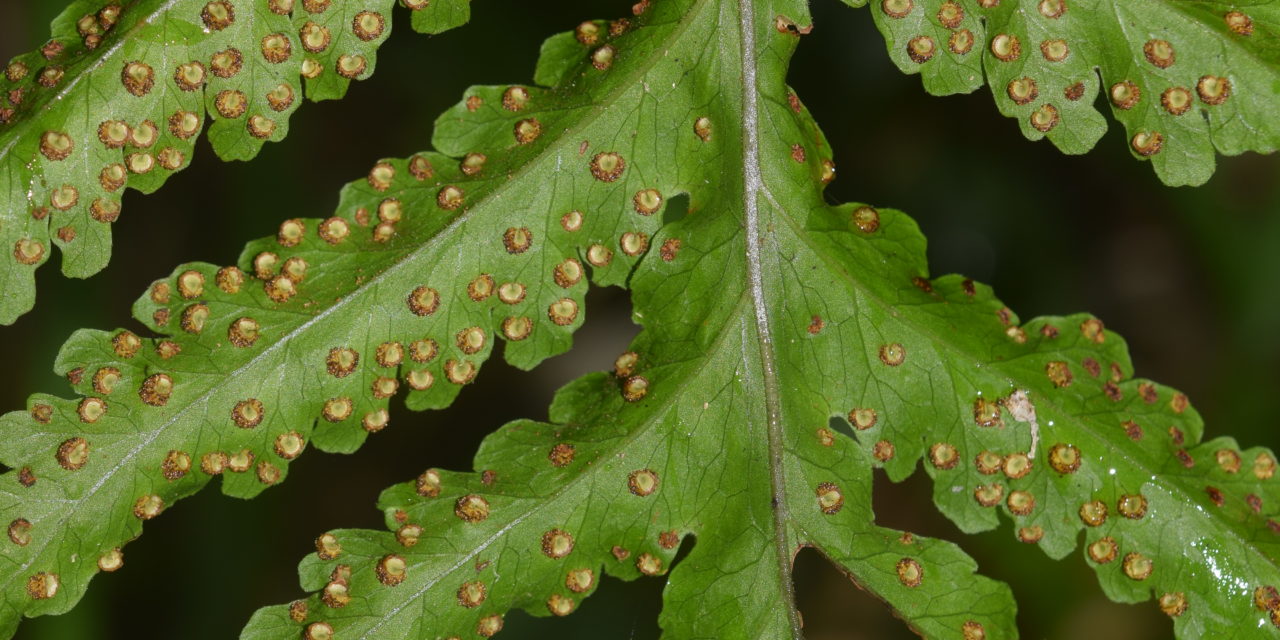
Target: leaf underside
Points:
(120, 93)
(715, 435)
(1185, 79)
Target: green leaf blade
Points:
(1185, 80)
(767, 312)
(633, 482)
(76, 129)
(837, 313)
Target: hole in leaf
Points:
(677, 208)
(908, 506)
(1055, 609)
(616, 609)
(604, 335)
(835, 608)
(840, 425)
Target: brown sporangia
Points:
(561, 455)
(960, 42)
(1021, 503)
(1132, 429)
(226, 63)
(381, 176)
(391, 570)
(175, 465)
(1112, 391)
(815, 325)
(921, 49)
(1055, 50)
(702, 128)
(1159, 53)
(243, 332)
(428, 484)
(1125, 95)
(527, 130)
(1045, 118)
(1093, 330)
(337, 409)
(988, 462)
(73, 453)
(642, 482)
(607, 167)
(1213, 90)
(1093, 513)
(866, 219)
(649, 564)
(1185, 458)
(633, 243)
(1239, 23)
(449, 197)
(1059, 373)
(1006, 47)
(1017, 465)
(1031, 534)
(1064, 458)
(471, 594)
(863, 418)
(563, 311)
(897, 9)
(460, 371)
(1132, 506)
(1176, 100)
(148, 506)
(579, 580)
(368, 25)
(1215, 496)
(986, 413)
(423, 301)
(883, 450)
(1147, 143)
(1103, 550)
(156, 389)
(830, 498)
(950, 14)
(556, 544)
(489, 626)
(471, 508)
(248, 414)
(893, 354)
(1173, 604)
(602, 58)
(1022, 90)
(1137, 566)
(944, 456)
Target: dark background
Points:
(1186, 275)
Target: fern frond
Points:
(121, 92)
(767, 313)
(1185, 79)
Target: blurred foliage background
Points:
(1186, 275)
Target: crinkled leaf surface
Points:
(119, 94)
(1185, 79)
(767, 313)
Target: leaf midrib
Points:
(753, 185)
